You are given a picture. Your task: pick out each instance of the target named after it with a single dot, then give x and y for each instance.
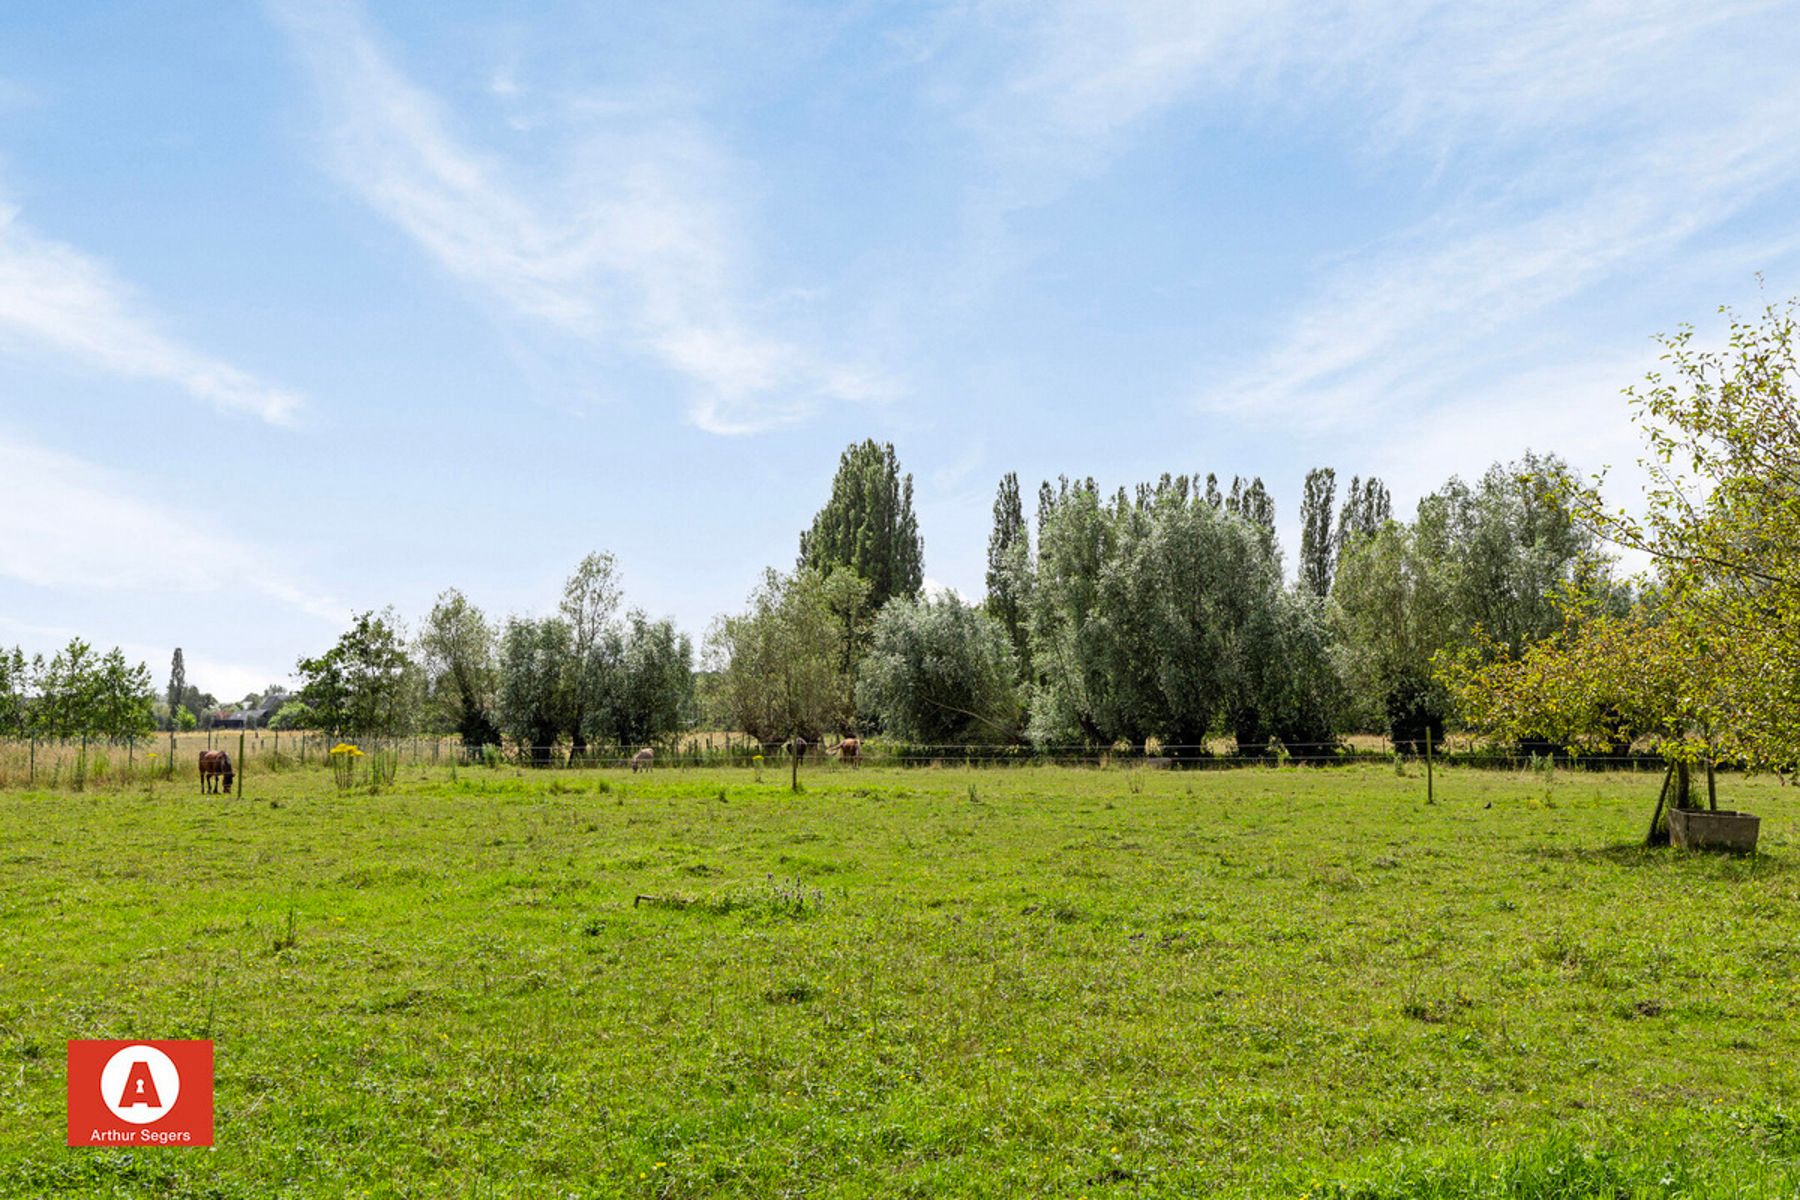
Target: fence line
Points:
(77, 763)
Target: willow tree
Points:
(1162, 615)
(942, 672)
(590, 606)
(777, 666)
(457, 649)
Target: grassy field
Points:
(1256, 982)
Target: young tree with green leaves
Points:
(1722, 521)
(65, 685)
(15, 693)
(1600, 682)
(868, 525)
(81, 694)
(777, 665)
(367, 684)
(124, 704)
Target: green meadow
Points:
(930, 982)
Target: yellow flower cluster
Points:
(346, 748)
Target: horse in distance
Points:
(215, 767)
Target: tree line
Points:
(78, 692)
(1160, 613)
(1156, 614)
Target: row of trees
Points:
(78, 692)
(586, 677)
(1161, 613)
(1157, 613)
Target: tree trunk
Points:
(1660, 836)
(794, 780)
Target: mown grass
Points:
(1014, 982)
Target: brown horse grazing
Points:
(215, 765)
(645, 758)
(849, 750)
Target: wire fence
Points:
(77, 764)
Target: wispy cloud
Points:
(65, 523)
(1404, 320)
(631, 245)
(1415, 73)
(1560, 147)
(54, 296)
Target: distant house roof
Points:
(270, 705)
(242, 718)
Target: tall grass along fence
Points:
(74, 764)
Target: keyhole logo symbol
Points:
(140, 1084)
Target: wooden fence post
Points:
(242, 763)
(1430, 790)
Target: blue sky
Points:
(313, 306)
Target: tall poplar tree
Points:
(1009, 568)
(1251, 501)
(1367, 507)
(1318, 544)
(177, 685)
(868, 525)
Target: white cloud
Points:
(633, 244)
(1566, 147)
(54, 296)
(65, 523)
(1087, 71)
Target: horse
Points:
(849, 750)
(215, 765)
(645, 758)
